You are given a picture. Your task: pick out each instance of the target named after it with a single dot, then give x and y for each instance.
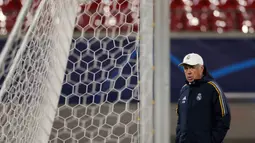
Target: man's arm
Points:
(178, 127)
(178, 124)
(222, 116)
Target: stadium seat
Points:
(247, 17)
(115, 15)
(11, 10)
(224, 16)
(198, 17)
(202, 15)
(91, 19)
(126, 14)
(93, 6)
(120, 6)
(177, 15)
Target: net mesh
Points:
(106, 92)
(27, 91)
(99, 97)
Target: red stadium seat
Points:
(224, 16)
(122, 6)
(247, 17)
(178, 15)
(251, 12)
(89, 20)
(11, 10)
(115, 15)
(90, 16)
(198, 18)
(124, 15)
(93, 6)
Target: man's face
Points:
(193, 72)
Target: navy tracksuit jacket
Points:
(203, 113)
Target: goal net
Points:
(34, 71)
(94, 87)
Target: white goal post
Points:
(83, 72)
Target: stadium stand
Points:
(186, 15)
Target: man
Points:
(203, 111)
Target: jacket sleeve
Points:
(178, 125)
(222, 116)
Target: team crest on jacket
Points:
(199, 96)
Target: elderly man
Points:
(203, 111)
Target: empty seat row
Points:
(217, 15)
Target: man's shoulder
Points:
(184, 87)
(214, 86)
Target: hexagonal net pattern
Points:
(100, 98)
(31, 89)
(13, 42)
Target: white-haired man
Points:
(203, 111)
